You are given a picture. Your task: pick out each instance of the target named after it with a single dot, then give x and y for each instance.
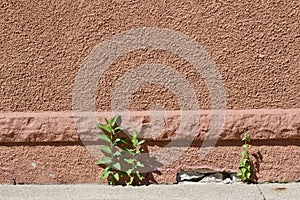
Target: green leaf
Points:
(125, 142)
(105, 173)
(107, 121)
(129, 161)
(129, 171)
(113, 121)
(243, 170)
(248, 167)
(134, 138)
(243, 162)
(104, 160)
(105, 128)
(247, 156)
(117, 166)
(248, 175)
(244, 153)
(105, 149)
(117, 140)
(245, 146)
(137, 152)
(139, 164)
(141, 142)
(104, 137)
(104, 176)
(246, 137)
(118, 129)
(131, 180)
(139, 175)
(239, 174)
(116, 176)
(129, 150)
(117, 153)
(134, 134)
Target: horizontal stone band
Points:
(61, 126)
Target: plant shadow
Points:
(256, 165)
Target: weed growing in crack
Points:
(245, 169)
(121, 154)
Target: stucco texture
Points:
(48, 127)
(254, 44)
(63, 163)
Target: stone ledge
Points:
(61, 127)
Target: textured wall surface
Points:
(64, 127)
(73, 164)
(255, 45)
(46, 148)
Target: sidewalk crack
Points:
(264, 198)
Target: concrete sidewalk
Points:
(182, 191)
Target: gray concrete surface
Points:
(280, 191)
(183, 191)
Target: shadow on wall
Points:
(256, 165)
